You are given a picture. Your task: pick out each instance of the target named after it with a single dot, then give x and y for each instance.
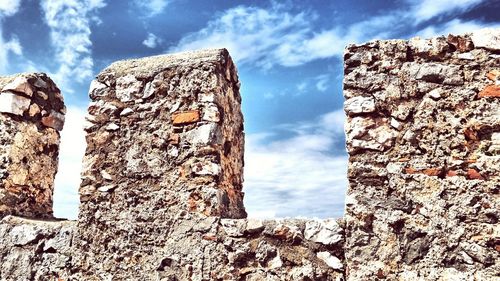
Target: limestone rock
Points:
(359, 105)
(488, 38)
(330, 260)
(20, 84)
(13, 104)
(327, 232)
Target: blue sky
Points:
(289, 57)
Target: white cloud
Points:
(455, 26)
(297, 176)
(9, 7)
(322, 82)
(69, 22)
(423, 10)
(71, 152)
(301, 87)
(263, 37)
(152, 41)
(277, 36)
(151, 7)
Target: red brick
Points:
(490, 91)
(186, 117)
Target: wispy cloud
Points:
(454, 26)
(297, 173)
(258, 36)
(8, 8)
(423, 10)
(151, 8)
(71, 153)
(322, 82)
(152, 41)
(69, 22)
(277, 36)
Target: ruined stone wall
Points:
(31, 114)
(423, 136)
(161, 184)
(161, 188)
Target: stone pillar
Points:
(423, 136)
(31, 114)
(164, 143)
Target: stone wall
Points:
(161, 193)
(161, 185)
(31, 114)
(423, 136)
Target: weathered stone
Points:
(13, 104)
(54, 120)
(358, 105)
(203, 135)
(488, 38)
(436, 73)
(419, 197)
(330, 260)
(126, 112)
(127, 88)
(29, 144)
(326, 232)
(20, 84)
(35, 249)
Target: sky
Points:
(289, 59)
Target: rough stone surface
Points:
(35, 249)
(424, 166)
(161, 182)
(161, 185)
(31, 113)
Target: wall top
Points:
(145, 67)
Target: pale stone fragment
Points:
(13, 104)
(396, 124)
(211, 114)
(112, 127)
(359, 105)
(106, 188)
(330, 260)
(127, 88)
(254, 225)
(105, 175)
(20, 84)
(326, 232)
(436, 93)
(97, 88)
(206, 169)
(234, 227)
(23, 234)
(358, 126)
(466, 56)
(488, 38)
(34, 110)
(204, 134)
(127, 111)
